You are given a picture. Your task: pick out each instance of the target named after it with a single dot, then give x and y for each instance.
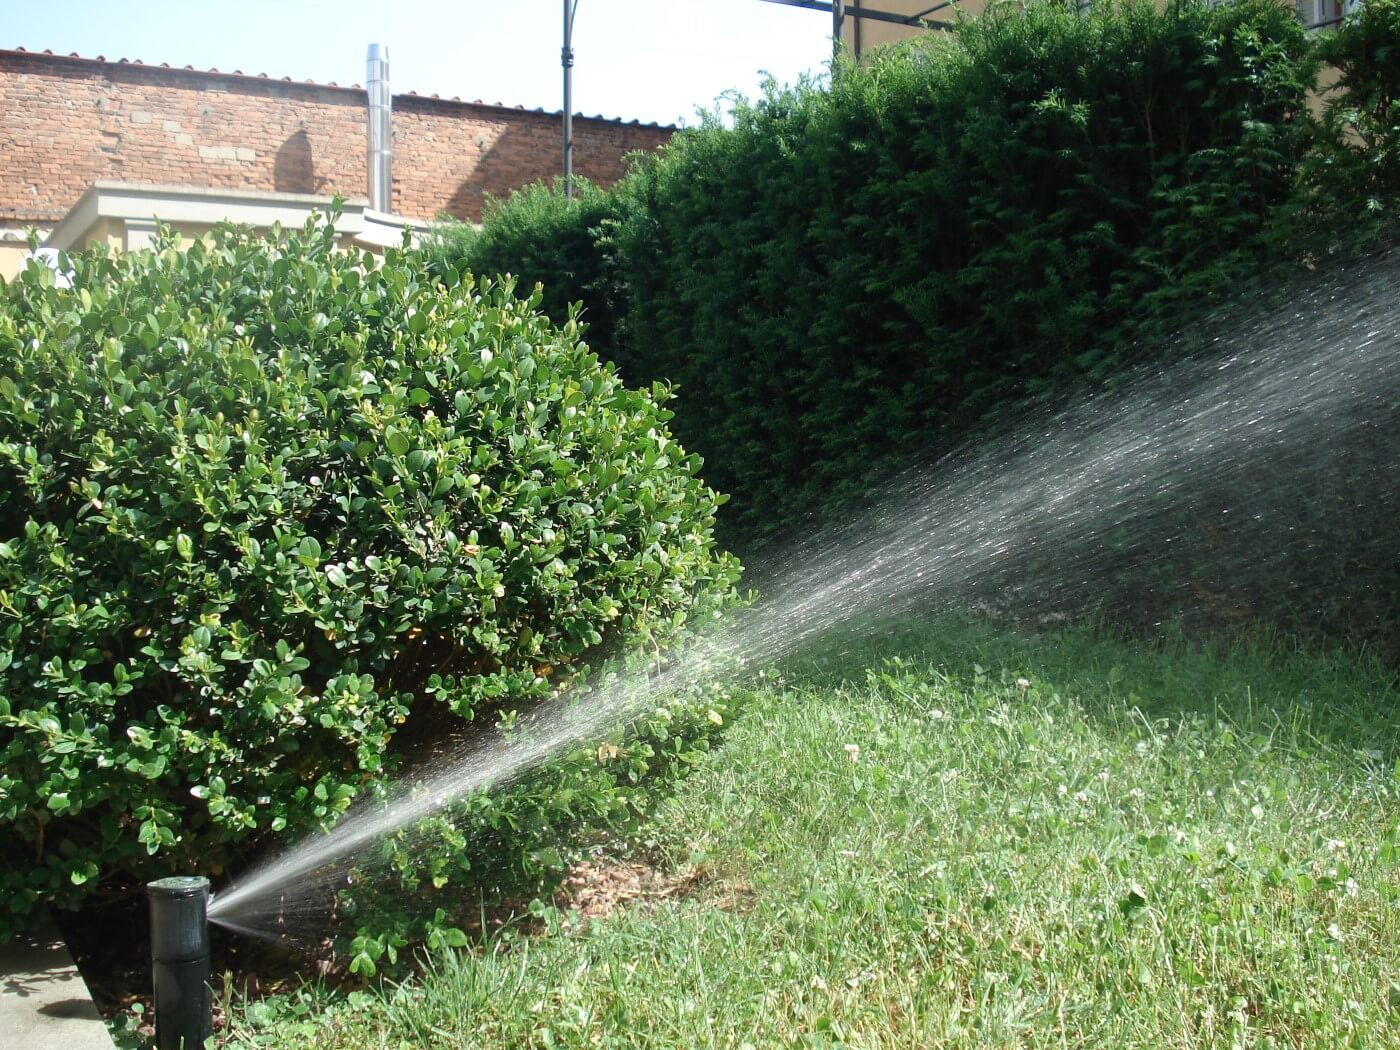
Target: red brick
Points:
(71, 120)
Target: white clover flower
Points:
(852, 751)
(1335, 845)
(1080, 796)
(1023, 684)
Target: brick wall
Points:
(66, 122)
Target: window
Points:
(1321, 14)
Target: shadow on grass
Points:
(1259, 684)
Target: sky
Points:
(648, 60)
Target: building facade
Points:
(74, 128)
(859, 35)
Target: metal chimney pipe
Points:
(381, 133)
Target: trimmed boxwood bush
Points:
(267, 509)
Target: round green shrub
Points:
(268, 509)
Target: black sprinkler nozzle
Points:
(180, 961)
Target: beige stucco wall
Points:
(108, 231)
(11, 257)
(861, 34)
(125, 216)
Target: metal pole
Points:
(567, 59)
(838, 26)
(380, 132)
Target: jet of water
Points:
(1312, 378)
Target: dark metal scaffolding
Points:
(840, 10)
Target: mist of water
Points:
(1266, 416)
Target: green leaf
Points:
(395, 441)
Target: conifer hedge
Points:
(846, 278)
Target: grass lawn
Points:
(970, 838)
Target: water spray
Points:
(1039, 517)
(180, 961)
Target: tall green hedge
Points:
(848, 277)
(550, 237)
(1358, 164)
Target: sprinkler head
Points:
(180, 961)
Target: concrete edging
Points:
(44, 1002)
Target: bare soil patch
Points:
(595, 889)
